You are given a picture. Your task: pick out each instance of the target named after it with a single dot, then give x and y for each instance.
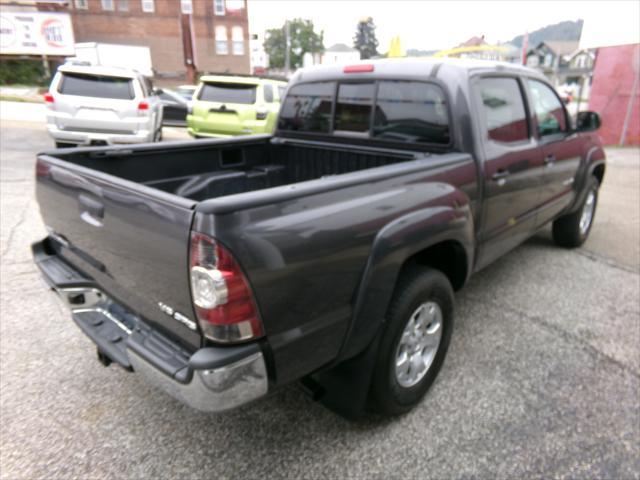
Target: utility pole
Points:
(45, 67)
(188, 47)
(287, 47)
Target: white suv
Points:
(102, 105)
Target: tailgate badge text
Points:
(183, 319)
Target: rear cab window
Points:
(228, 92)
(308, 107)
(99, 86)
(399, 111)
(411, 112)
(353, 108)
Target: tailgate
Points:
(133, 240)
(224, 106)
(223, 118)
(96, 114)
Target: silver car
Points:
(89, 105)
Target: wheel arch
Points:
(598, 171)
(439, 237)
(594, 165)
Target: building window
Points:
(186, 6)
(123, 5)
(148, 6)
(107, 5)
(218, 7)
(222, 44)
(82, 4)
(233, 6)
(238, 40)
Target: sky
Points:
(436, 25)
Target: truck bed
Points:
(211, 169)
(123, 215)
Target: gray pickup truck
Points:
(326, 254)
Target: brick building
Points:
(219, 30)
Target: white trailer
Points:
(112, 55)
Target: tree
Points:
(303, 39)
(365, 38)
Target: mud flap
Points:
(346, 386)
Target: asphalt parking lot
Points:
(542, 377)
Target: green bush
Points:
(22, 72)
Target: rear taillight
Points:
(143, 105)
(221, 294)
(42, 169)
(48, 98)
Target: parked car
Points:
(187, 91)
(174, 108)
(225, 106)
(328, 253)
(102, 105)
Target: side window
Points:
(548, 108)
(353, 109)
(503, 109)
(411, 112)
(147, 86)
(307, 108)
(268, 93)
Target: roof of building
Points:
(473, 42)
(561, 47)
(340, 47)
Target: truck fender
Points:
(346, 385)
(394, 244)
(594, 158)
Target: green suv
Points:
(225, 106)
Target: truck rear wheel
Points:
(572, 230)
(414, 342)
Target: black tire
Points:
(65, 145)
(157, 137)
(417, 286)
(567, 231)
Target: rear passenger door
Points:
(561, 150)
(512, 165)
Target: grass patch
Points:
(14, 98)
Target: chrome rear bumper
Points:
(212, 379)
(214, 389)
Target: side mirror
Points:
(587, 121)
(158, 91)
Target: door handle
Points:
(549, 160)
(500, 174)
(500, 177)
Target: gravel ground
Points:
(542, 377)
